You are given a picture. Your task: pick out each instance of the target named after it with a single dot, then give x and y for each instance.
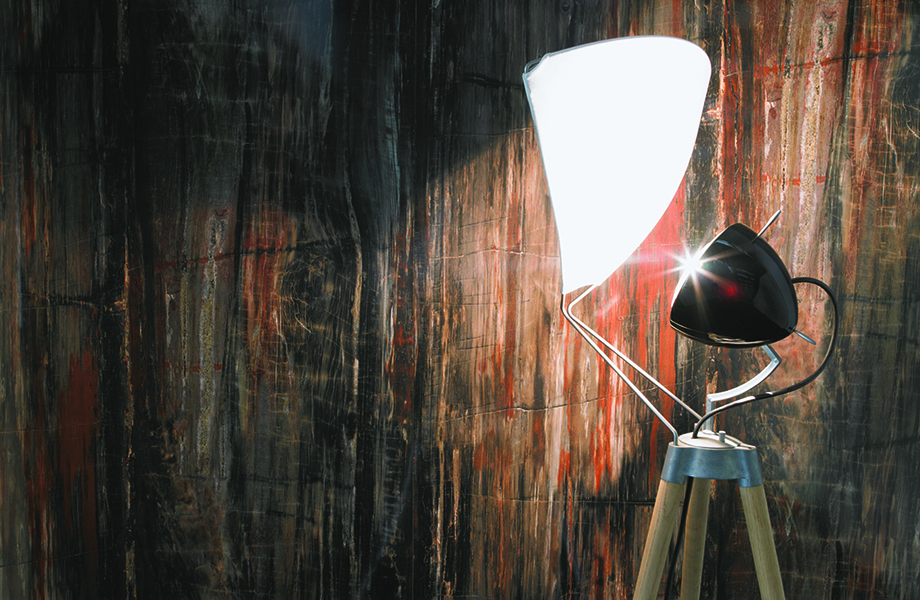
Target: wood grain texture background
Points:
(279, 293)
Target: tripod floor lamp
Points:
(616, 122)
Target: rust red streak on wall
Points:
(401, 364)
(599, 442)
(78, 405)
(609, 314)
(510, 343)
(879, 36)
(266, 232)
(658, 254)
(39, 477)
(64, 462)
(563, 471)
(401, 369)
(538, 442)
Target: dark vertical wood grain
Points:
(64, 176)
(279, 286)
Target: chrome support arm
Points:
(711, 399)
(627, 360)
(587, 333)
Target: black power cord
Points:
(791, 388)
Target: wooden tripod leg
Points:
(754, 502)
(695, 540)
(667, 504)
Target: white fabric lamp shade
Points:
(616, 122)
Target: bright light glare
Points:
(691, 265)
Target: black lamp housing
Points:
(739, 294)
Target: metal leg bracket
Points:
(712, 456)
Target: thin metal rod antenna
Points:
(575, 324)
(762, 231)
(626, 359)
(770, 222)
(804, 337)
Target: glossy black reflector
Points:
(737, 293)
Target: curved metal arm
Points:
(587, 333)
(786, 390)
(711, 399)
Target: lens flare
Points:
(691, 264)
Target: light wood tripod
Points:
(704, 458)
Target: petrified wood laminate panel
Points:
(279, 286)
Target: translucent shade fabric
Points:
(616, 122)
